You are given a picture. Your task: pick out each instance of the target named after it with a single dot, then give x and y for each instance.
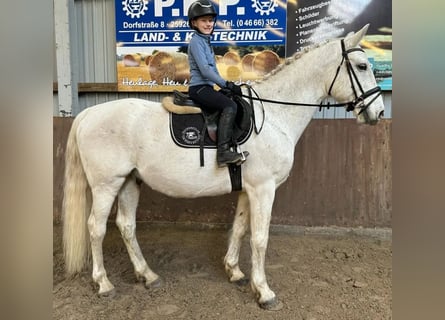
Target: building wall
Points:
(341, 176)
(94, 59)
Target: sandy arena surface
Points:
(314, 276)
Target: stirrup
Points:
(244, 155)
(235, 159)
(239, 162)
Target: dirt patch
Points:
(316, 277)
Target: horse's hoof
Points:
(154, 284)
(242, 282)
(107, 294)
(272, 305)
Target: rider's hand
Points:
(235, 89)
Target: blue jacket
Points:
(202, 62)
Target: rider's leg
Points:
(212, 101)
(224, 154)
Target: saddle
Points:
(191, 127)
(243, 120)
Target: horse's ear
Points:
(353, 39)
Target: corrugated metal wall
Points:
(94, 53)
(94, 40)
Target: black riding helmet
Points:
(200, 8)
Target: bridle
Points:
(357, 102)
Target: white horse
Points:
(113, 146)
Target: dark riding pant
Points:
(211, 100)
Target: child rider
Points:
(204, 75)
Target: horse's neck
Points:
(297, 83)
(290, 121)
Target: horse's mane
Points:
(293, 58)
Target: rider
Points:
(204, 75)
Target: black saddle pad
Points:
(186, 131)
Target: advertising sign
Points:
(312, 21)
(251, 37)
(152, 38)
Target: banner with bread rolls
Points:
(251, 38)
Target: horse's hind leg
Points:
(103, 198)
(239, 228)
(128, 198)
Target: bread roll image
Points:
(247, 62)
(181, 62)
(173, 66)
(233, 73)
(161, 66)
(132, 60)
(147, 59)
(231, 58)
(265, 61)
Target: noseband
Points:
(359, 101)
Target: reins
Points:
(358, 102)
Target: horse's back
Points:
(120, 109)
(108, 134)
(121, 114)
(117, 137)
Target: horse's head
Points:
(354, 82)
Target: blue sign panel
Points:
(250, 39)
(165, 23)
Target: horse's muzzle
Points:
(381, 114)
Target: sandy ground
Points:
(315, 277)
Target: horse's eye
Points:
(362, 66)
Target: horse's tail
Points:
(76, 206)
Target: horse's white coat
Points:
(114, 143)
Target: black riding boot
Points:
(225, 129)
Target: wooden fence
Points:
(342, 176)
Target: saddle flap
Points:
(211, 121)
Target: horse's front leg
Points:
(239, 228)
(261, 200)
(128, 198)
